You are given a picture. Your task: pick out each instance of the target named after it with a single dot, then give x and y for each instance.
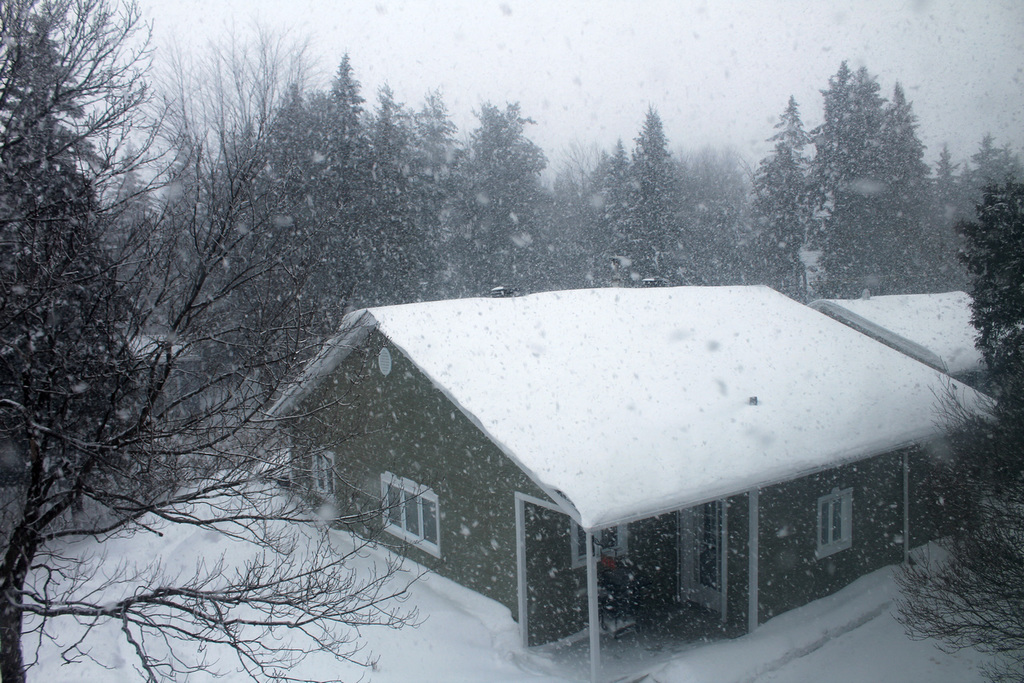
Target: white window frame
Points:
(578, 541)
(405, 517)
(323, 472)
(827, 541)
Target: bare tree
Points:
(142, 337)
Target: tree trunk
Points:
(11, 667)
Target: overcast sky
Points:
(718, 72)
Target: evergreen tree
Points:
(435, 155)
(782, 208)
(903, 206)
(615, 190)
(992, 165)
(941, 241)
(972, 596)
(651, 227)
(994, 256)
(334, 182)
(392, 265)
(849, 171)
(501, 230)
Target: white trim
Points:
(753, 550)
(417, 499)
(831, 545)
(524, 633)
(593, 614)
(323, 472)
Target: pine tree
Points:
(992, 165)
(435, 155)
(392, 265)
(782, 207)
(614, 184)
(994, 256)
(651, 227)
(849, 172)
(501, 196)
(905, 180)
(971, 597)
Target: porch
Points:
(653, 587)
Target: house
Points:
(713, 456)
(935, 329)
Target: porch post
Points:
(524, 628)
(753, 499)
(594, 618)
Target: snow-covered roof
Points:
(938, 323)
(630, 402)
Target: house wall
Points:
(556, 591)
(402, 424)
(790, 574)
(930, 516)
(737, 564)
(654, 550)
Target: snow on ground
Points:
(463, 636)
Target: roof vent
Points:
(500, 292)
(753, 400)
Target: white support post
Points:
(594, 617)
(524, 631)
(754, 524)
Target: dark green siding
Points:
(789, 573)
(654, 551)
(556, 596)
(402, 424)
(929, 517)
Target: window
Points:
(835, 522)
(411, 512)
(611, 541)
(323, 472)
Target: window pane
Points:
(610, 538)
(824, 522)
(837, 520)
(429, 520)
(581, 542)
(412, 514)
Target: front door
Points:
(702, 545)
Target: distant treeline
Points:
(416, 210)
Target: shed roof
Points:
(629, 402)
(938, 323)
